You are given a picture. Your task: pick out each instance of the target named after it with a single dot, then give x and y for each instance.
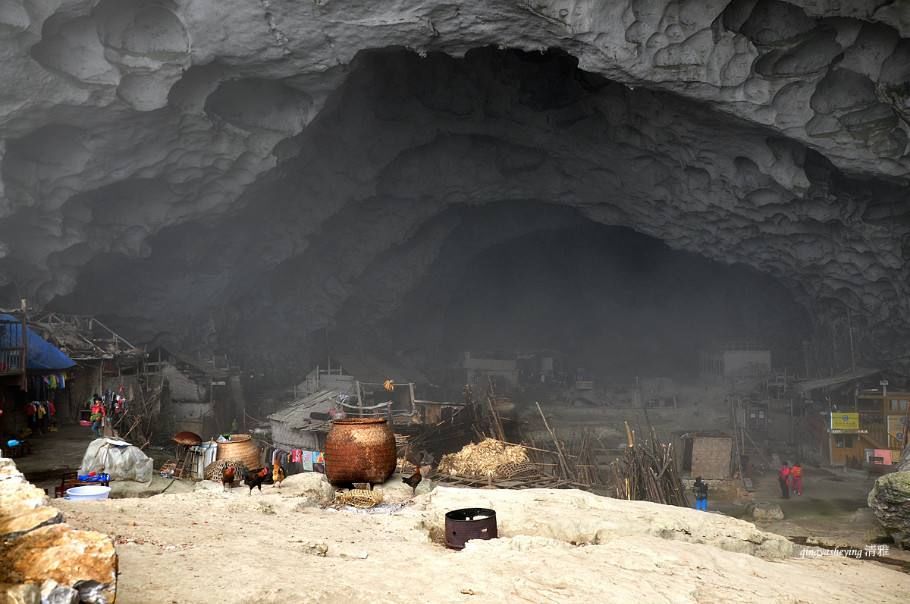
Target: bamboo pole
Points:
(561, 456)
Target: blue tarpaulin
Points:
(42, 355)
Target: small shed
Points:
(304, 423)
(709, 455)
(196, 394)
(735, 360)
(480, 367)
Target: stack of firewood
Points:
(646, 471)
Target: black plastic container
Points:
(469, 523)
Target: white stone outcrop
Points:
(581, 518)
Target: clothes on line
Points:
(295, 461)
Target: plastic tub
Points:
(88, 493)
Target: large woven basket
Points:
(240, 448)
(359, 450)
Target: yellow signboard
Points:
(844, 421)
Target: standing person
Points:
(41, 414)
(701, 494)
(31, 412)
(97, 416)
(52, 414)
(783, 477)
(796, 478)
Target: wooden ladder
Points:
(184, 468)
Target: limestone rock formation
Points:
(890, 502)
(42, 555)
(763, 511)
(24, 593)
(577, 517)
(314, 487)
(81, 559)
(202, 164)
(396, 491)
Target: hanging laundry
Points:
(296, 455)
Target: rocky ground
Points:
(831, 509)
(554, 546)
(41, 557)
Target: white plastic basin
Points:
(88, 493)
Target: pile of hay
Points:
(482, 459)
(359, 498)
(403, 466)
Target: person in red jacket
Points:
(97, 416)
(796, 478)
(783, 477)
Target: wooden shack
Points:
(709, 455)
(304, 423)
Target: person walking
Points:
(783, 477)
(97, 416)
(701, 494)
(796, 478)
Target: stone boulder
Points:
(25, 520)
(890, 502)
(41, 553)
(764, 512)
(395, 491)
(579, 518)
(22, 593)
(312, 486)
(54, 593)
(67, 556)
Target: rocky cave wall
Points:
(222, 170)
(615, 302)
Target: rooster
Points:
(277, 473)
(227, 478)
(413, 480)
(255, 479)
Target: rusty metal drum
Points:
(470, 523)
(359, 449)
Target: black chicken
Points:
(256, 478)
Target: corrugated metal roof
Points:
(837, 380)
(297, 414)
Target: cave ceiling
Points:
(222, 168)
